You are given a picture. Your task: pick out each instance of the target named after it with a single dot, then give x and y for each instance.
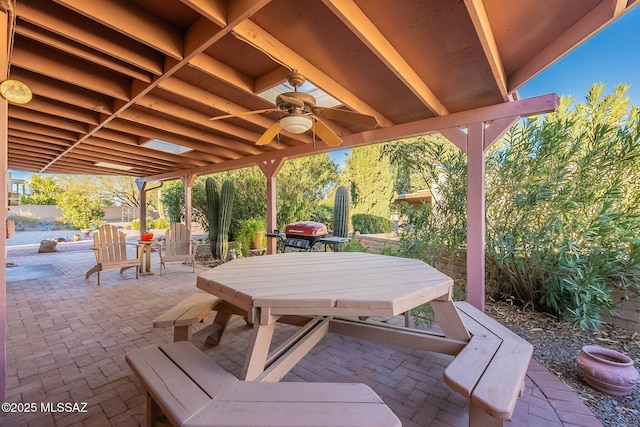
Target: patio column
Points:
(143, 204)
(4, 19)
(475, 143)
(187, 182)
(270, 169)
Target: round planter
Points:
(256, 243)
(607, 370)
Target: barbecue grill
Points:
(304, 234)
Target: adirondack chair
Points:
(110, 249)
(177, 246)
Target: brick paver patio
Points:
(67, 339)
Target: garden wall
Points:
(49, 213)
(627, 315)
(375, 242)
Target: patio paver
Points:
(67, 338)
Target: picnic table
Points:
(315, 289)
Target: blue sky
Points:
(612, 56)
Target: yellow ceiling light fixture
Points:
(15, 92)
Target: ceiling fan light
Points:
(296, 124)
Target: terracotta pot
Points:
(256, 243)
(607, 370)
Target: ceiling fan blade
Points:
(291, 101)
(346, 116)
(245, 113)
(326, 134)
(268, 136)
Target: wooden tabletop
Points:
(326, 283)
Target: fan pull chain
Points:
(278, 138)
(313, 144)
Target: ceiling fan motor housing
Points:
(304, 104)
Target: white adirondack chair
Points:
(177, 246)
(109, 247)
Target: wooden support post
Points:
(270, 169)
(6, 20)
(187, 182)
(475, 142)
(143, 204)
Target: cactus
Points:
(341, 212)
(213, 206)
(224, 219)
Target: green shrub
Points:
(161, 223)
(80, 211)
(246, 233)
(562, 214)
(353, 245)
(323, 213)
(151, 223)
(371, 224)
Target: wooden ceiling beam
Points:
(133, 142)
(47, 140)
(133, 21)
(63, 67)
(83, 153)
(200, 150)
(44, 87)
(188, 115)
(222, 72)
(214, 10)
(97, 141)
(257, 37)
(65, 111)
(25, 139)
(29, 150)
(480, 20)
(223, 147)
(241, 10)
(354, 18)
(43, 130)
(47, 120)
(75, 49)
(57, 19)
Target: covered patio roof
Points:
(108, 76)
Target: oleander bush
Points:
(563, 197)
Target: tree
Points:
(79, 210)
(111, 190)
(371, 178)
(301, 185)
(43, 190)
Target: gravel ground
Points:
(556, 346)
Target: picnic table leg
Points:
(449, 319)
(258, 350)
(223, 316)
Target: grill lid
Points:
(306, 229)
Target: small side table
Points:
(145, 261)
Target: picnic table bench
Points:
(186, 388)
(490, 370)
(184, 315)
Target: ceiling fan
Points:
(302, 114)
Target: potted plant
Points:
(250, 235)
